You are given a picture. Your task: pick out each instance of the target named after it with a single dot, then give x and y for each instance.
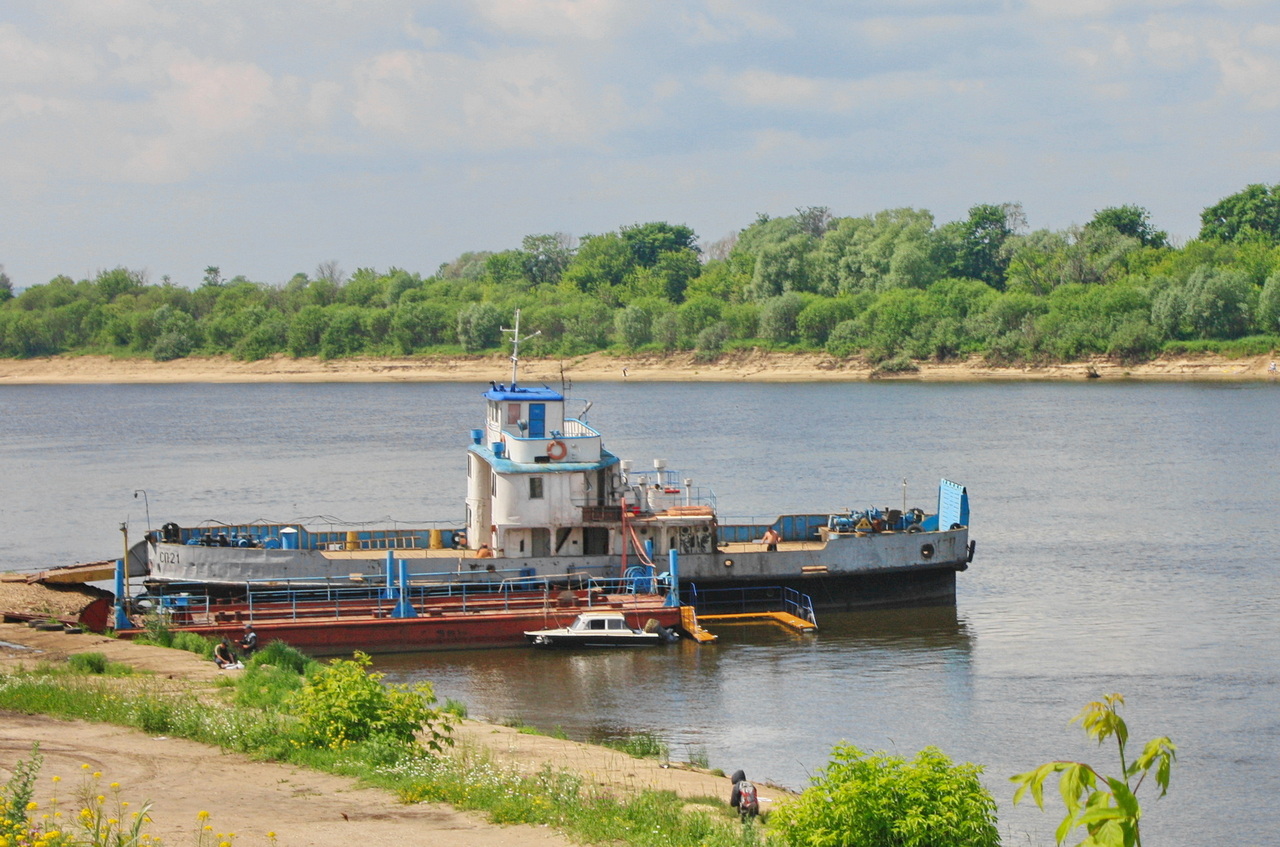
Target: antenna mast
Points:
(515, 346)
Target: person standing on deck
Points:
(771, 539)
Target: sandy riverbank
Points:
(750, 366)
(304, 808)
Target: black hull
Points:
(844, 592)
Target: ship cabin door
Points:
(595, 541)
(540, 541)
(537, 420)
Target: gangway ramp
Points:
(786, 619)
(772, 604)
(692, 627)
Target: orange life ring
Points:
(557, 451)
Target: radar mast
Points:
(515, 346)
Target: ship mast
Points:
(515, 346)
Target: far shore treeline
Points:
(890, 286)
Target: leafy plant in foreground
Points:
(881, 800)
(1110, 814)
(343, 704)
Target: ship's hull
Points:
(444, 627)
(844, 572)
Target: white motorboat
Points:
(599, 629)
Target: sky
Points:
(268, 137)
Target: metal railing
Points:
(751, 598)
(317, 597)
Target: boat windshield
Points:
(593, 624)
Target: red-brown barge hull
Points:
(323, 630)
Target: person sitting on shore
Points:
(249, 643)
(223, 655)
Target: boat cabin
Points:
(542, 485)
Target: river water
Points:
(1127, 541)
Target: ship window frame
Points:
(536, 488)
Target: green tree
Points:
(1106, 806)
(118, 281)
(601, 264)
(1249, 215)
(415, 325)
(305, 331)
(783, 267)
(479, 327)
(634, 325)
(1220, 303)
(816, 320)
(881, 800)
(675, 269)
(695, 316)
(1133, 221)
(545, 257)
(6, 286)
(814, 220)
(344, 335)
(890, 249)
(1269, 305)
(979, 242)
(647, 242)
(778, 316)
(365, 288)
(895, 322)
(268, 337)
(176, 335)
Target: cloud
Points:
(500, 100)
(762, 88)
(554, 19)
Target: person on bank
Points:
(771, 539)
(222, 654)
(249, 642)
(743, 797)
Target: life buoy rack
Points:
(557, 450)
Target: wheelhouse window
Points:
(535, 488)
(513, 414)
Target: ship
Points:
(545, 500)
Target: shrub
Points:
(343, 704)
(88, 663)
(879, 800)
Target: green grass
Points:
(96, 663)
(642, 745)
(1252, 345)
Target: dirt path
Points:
(250, 799)
(302, 807)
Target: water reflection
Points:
(695, 696)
